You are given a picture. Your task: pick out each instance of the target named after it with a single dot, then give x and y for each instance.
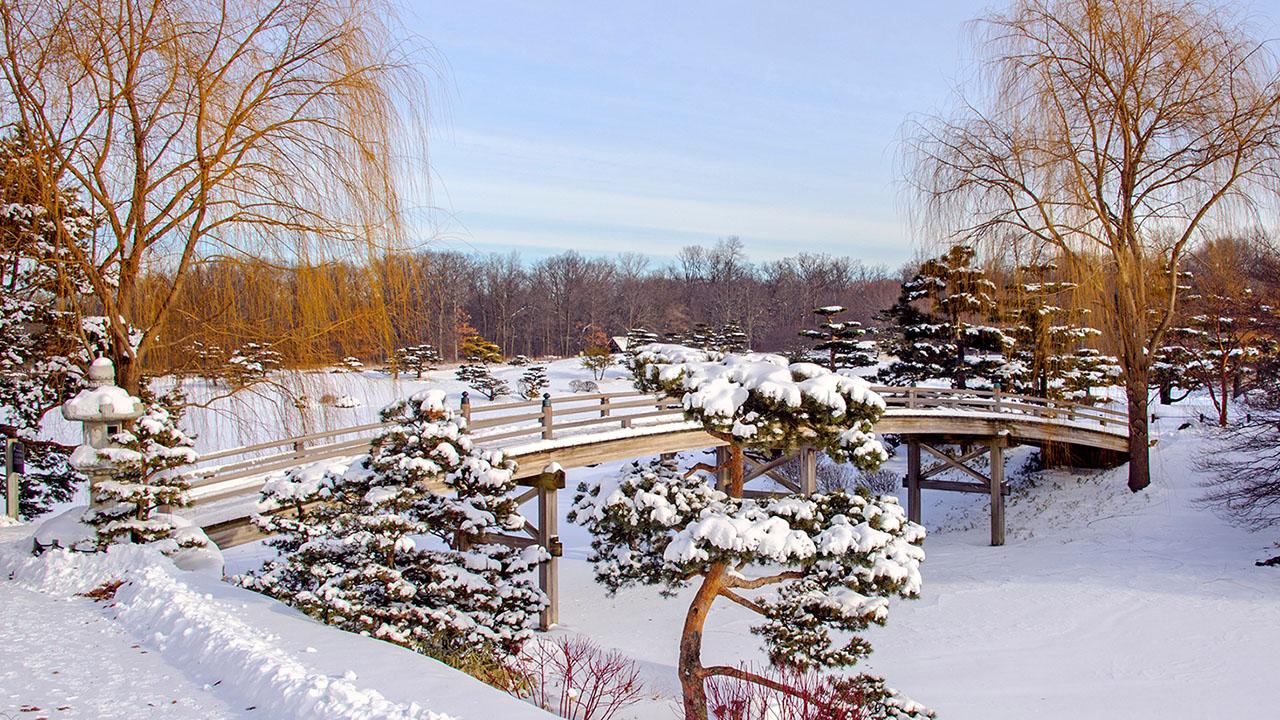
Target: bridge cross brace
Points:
(971, 448)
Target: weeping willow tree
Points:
(1119, 133)
(269, 131)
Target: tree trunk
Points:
(690, 668)
(692, 679)
(1139, 432)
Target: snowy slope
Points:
(1103, 604)
(185, 645)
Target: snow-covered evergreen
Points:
(482, 380)
(942, 325)
(145, 483)
(417, 359)
(400, 545)
(817, 569)
(533, 382)
(43, 359)
(841, 344)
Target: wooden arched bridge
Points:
(953, 428)
(582, 430)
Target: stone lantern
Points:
(103, 408)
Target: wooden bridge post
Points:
(997, 491)
(547, 432)
(808, 471)
(604, 406)
(465, 406)
(549, 538)
(913, 478)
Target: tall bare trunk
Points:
(1139, 431)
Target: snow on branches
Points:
(145, 482)
(832, 560)
(816, 569)
(400, 545)
(763, 400)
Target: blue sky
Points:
(645, 126)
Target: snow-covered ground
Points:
(1103, 604)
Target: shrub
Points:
(584, 386)
(807, 696)
(577, 679)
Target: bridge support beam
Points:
(992, 484)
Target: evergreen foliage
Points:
(533, 381)
(43, 359)
(417, 359)
(844, 344)
(478, 376)
(597, 356)
(132, 506)
(251, 364)
(941, 325)
(476, 349)
(823, 566)
(399, 545)
(1047, 334)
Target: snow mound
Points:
(160, 606)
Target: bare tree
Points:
(1118, 132)
(198, 128)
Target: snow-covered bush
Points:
(348, 364)
(251, 364)
(145, 480)
(399, 545)
(825, 565)
(417, 359)
(577, 679)
(584, 386)
(479, 378)
(533, 381)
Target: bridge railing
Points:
(234, 471)
(923, 398)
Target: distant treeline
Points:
(316, 314)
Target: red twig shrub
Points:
(576, 679)
(807, 696)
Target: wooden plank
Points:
(548, 570)
(956, 486)
(966, 457)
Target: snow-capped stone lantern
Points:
(103, 408)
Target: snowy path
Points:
(76, 663)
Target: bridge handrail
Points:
(491, 425)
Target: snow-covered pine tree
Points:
(533, 381)
(729, 338)
(399, 545)
(843, 344)
(43, 359)
(1087, 370)
(638, 337)
(252, 363)
(816, 569)
(1217, 344)
(478, 376)
(417, 359)
(519, 361)
(1046, 331)
(942, 325)
(145, 483)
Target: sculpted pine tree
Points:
(942, 324)
(844, 343)
(399, 544)
(816, 569)
(1045, 329)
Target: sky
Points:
(610, 127)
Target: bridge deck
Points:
(582, 430)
